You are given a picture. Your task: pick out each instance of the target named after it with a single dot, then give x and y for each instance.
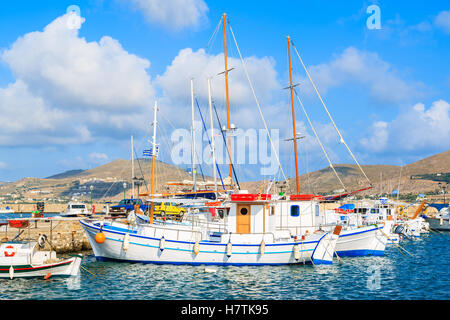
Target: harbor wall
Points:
(63, 236)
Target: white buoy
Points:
(11, 272)
(210, 270)
(126, 241)
(162, 243)
(296, 252)
(229, 249)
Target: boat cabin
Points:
(258, 213)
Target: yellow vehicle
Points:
(169, 210)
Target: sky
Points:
(79, 78)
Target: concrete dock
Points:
(64, 235)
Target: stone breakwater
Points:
(63, 236)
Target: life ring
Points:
(41, 240)
(10, 251)
(400, 209)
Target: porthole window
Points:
(295, 211)
(244, 211)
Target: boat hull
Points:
(362, 241)
(439, 224)
(148, 244)
(66, 268)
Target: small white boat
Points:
(20, 259)
(75, 209)
(441, 221)
(356, 238)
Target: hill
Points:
(106, 182)
(418, 177)
(66, 174)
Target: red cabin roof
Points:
(305, 197)
(250, 197)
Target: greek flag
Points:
(149, 152)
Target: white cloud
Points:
(70, 91)
(357, 67)
(175, 81)
(415, 129)
(98, 158)
(173, 14)
(442, 21)
(59, 65)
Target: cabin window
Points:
(388, 211)
(317, 210)
(244, 211)
(295, 211)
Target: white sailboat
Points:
(248, 233)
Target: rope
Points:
(329, 115)
(228, 152)
(209, 141)
(318, 140)
(257, 103)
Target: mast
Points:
(132, 166)
(194, 171)
(152, 188)
(226, 90)
(293, 116)
(212, 134)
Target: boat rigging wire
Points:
(257, 102)
(318, 139)
(329, 115)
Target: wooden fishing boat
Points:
(20, 259)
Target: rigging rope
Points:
(209, 141)
(318, 140)
(257, 102)
(329, 115)
(225, 143)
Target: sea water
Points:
(393, 276)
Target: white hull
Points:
(64, 268)
(145, 245)
(361, 241)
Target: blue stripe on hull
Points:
(316, 262)
(357, 253)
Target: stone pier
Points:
(64, 236)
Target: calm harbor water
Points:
(393, 276)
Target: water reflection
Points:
(423, 276)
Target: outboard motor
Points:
(401, 231)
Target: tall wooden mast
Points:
(293, 115)
(152, 188)
(226, 89)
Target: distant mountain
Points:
(418, 177)
(107, 180)
(66, 174)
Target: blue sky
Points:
(72, 99)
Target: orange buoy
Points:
(100, 237)
(48, 275)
